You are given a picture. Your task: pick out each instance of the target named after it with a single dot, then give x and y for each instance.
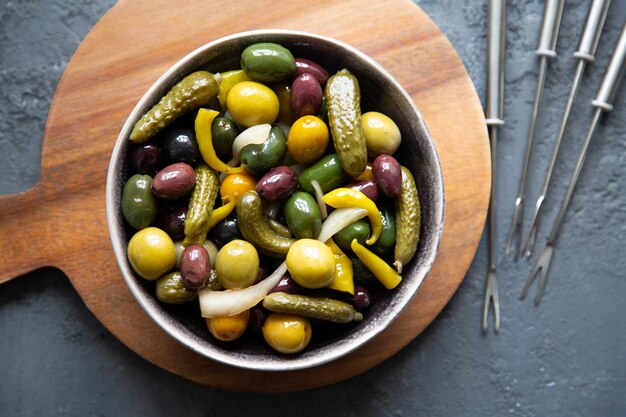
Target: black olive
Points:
(226, 231)
(179, 145)
(172, 221)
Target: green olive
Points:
(224, 131)
(212, 249)
(260, 157)
(151, 253)
(237, 264)
(303, 215)
(287, 333)
(138, 203)
(171, 289)
(267, 62)
(382, 135)
(359, 230)
(179, 247)
(327, 172)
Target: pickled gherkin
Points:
(256, 230)
(200, 205)
(343, 104)
(195, 90)
(408, 219)
(320, 308)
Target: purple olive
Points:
(174, 181)
(263, 273)
(367, 187)
(304, 65)
(387, 174)
(195, 266)
(361, 298)
(287, 285)
(172, 221)
(279, 183)
(306, 95)
(146, 159)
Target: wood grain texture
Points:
(62, 220)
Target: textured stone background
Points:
(567, 357)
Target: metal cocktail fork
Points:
(585, 54)
(552, 13)
(606, 94)
(495, 87)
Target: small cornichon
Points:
(313, 307)
(343, 103)
(408, 220)
(200, 205)
(193, 91)
(256, 230)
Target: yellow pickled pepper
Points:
(381, 269)
(350, 198)
(220, 213)
(343, 278)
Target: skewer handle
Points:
(552, 13)
(593, 28)
(495, 62)
(613, 76)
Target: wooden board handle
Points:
(55, 223)
(23, 246)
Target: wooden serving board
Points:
(62, 221)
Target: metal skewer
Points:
(552, 13)
(585, 54)
(495, 87)
(606, 94)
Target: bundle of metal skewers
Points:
(603, 103)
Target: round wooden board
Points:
(62, 221)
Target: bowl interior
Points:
(379, 92)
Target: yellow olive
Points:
(237, 264)
(251, 103)
(311, 263)
(151, 253)
(235, 185)
(230, 328)
(308, 139)
(382, 135)
(287, 333)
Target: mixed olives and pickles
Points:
(265, 195)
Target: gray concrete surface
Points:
(565, 358)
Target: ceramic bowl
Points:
(379, 91)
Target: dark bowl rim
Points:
(120, 249)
